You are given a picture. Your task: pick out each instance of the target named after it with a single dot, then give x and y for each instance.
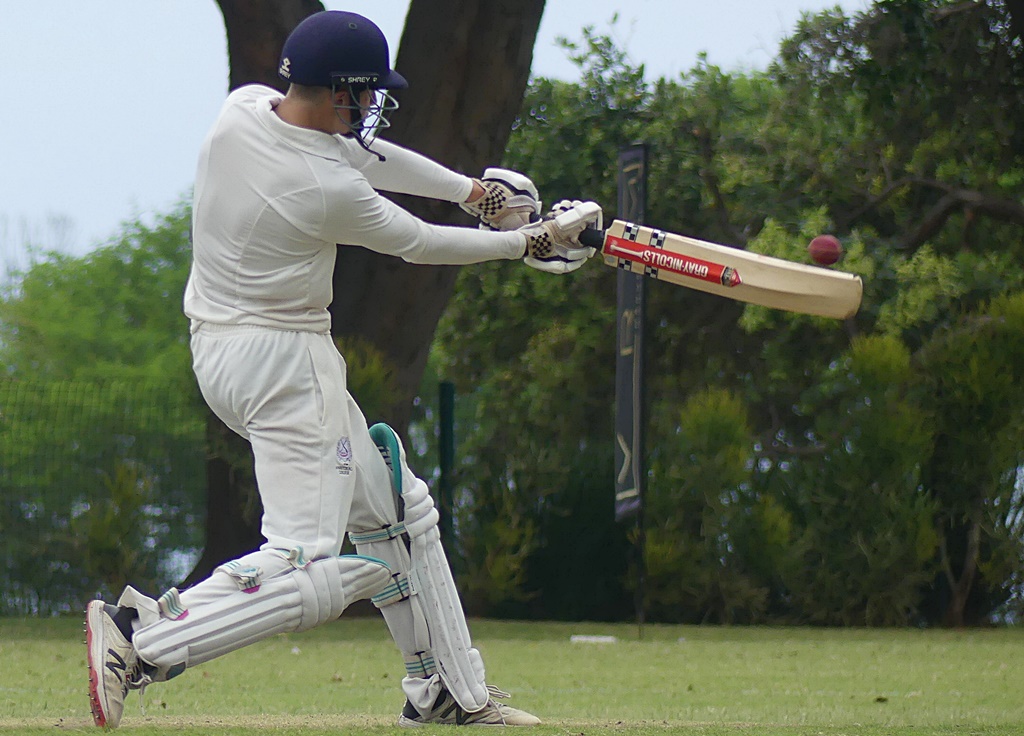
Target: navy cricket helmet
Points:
(333, 48)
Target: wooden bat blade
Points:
(731, 272)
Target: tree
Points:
(936, 188)
(695, 504)
(101, 442)
(103, 435)
(855, 510)
(256, 30)
(974, 369)
(942, 84)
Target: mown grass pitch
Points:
(344, 678)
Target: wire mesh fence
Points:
(100, 484)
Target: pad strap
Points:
(383, 534)
(397, 590)
(420, 664)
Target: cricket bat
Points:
(729, 272)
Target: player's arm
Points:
(406, 172)
(501, 199)
(363, 217)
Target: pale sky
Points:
(108, 102)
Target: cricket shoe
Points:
(113, 663)
(447, 712)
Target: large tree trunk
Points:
(256, 30)
(233, 508)
(467, 62)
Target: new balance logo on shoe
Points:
(448, 712)
(116, 664)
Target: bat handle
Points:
(592, 238)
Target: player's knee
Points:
(386, 543)
(420, 514)
(328, 586)
(390, 542)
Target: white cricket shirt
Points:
(272, 200)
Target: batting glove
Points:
(552, 243)
(510, 200)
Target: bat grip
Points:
(592, 238)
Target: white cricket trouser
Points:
(318, 471)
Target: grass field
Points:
(344, 678)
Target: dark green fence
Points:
(100, 484)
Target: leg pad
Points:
(276, 598)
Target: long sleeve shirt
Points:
(273, 200)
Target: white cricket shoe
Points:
(448, 712)
(113, 662)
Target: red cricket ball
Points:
(825, 249)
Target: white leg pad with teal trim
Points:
(250, 599)
(459, 663)
(421, 575)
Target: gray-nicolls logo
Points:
(285, 69)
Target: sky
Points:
(107, 103)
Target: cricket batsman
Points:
(281, 180)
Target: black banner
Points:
(629, 394)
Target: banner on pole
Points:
(629, 395)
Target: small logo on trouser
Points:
(344, 455)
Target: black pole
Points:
(446, 460)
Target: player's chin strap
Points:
(366, 146)
(422, 577)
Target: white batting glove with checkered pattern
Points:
(510, 200)
(552, 243)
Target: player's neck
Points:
(314, 117)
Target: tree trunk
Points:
(467, 62)
(962, 585)
(233, 508)
(256, 30)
